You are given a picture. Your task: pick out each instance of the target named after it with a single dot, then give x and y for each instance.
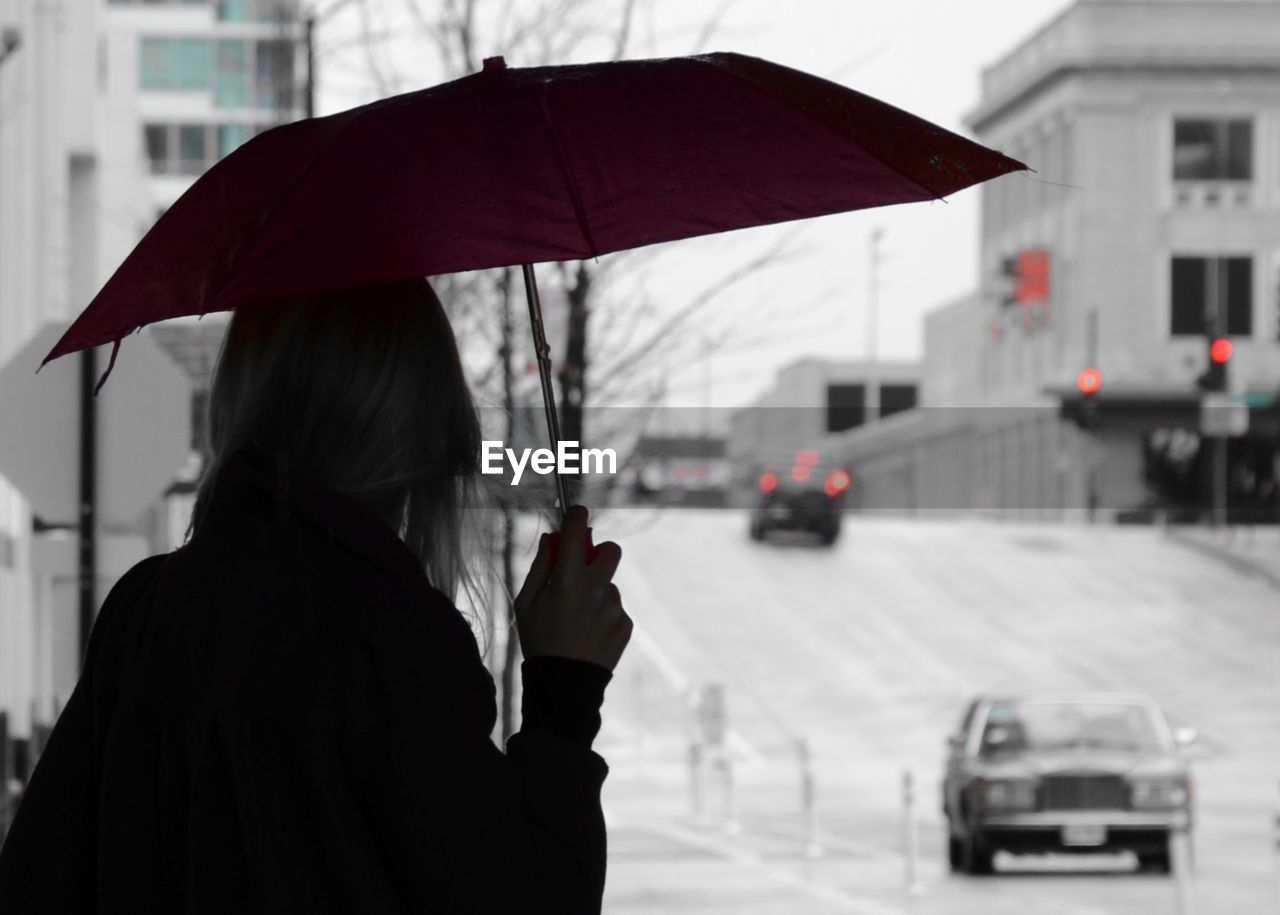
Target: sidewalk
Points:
(1251, 550)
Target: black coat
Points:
(284, 716)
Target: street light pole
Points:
(312, 18)
(873, 290)
(309, 29)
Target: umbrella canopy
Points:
(520, 166)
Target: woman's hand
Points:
(573, 610)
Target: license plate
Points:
(1078, 834)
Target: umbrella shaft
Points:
(543, 353)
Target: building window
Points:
(193, 148)
(1212, 150)
(1201, 285)
(239, 73)
(231, 136)
(182, 64)
(233, 10)
(846, 406)
(257, 10)
(273, 74)
(231, 76)
(894, 398)
(190, 149)
(156, 137)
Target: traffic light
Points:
(1219, 357)
(1083, 410)
(1089, 381)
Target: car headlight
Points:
(1007, 794)
(1159, 792)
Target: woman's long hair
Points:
(362, 389)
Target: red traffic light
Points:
(1220, 350)
(1089, 381)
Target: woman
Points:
(287, 714)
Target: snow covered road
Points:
(868, 651)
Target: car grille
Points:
(1083, 792)
(809, 501)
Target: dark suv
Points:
(804, 497)
(1067, 773)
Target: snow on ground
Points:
(868, 651)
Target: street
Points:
(868, 651)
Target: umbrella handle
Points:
(542, 352)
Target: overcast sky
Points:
(925, 56)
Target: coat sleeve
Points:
(463, 826)
(48, 863)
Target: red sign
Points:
(1031, 277)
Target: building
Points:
(108, 112)
(812, 399)
(680, 470)
(1152, 126)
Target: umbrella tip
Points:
(494, 63)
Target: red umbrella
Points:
(520, 166)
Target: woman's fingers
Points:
(608, 555)
(539, 572)
(573, 537)
(568, 607)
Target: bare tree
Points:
(551, 31)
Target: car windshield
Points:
(1018, 726)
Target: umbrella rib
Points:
(566, 169)
(730, 65)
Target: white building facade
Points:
(1153, 127)
(108, 112)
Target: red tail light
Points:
(807, 459)
(799, 473)
(837, 482)
(768, 482)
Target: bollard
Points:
(1180, 862)
(910, 835)
(808, 801)
(695, 780)
(1275, 848)
(639, 717)
(725, 766)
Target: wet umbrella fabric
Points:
(520, 166)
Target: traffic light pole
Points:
(88, 571)
(1220, 481)
(1218, 468)
(872, 396)
(1095, 444)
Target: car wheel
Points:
(1155, 863)
(955, 854)
(756, 530)
(976, 857)
(830, 536)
